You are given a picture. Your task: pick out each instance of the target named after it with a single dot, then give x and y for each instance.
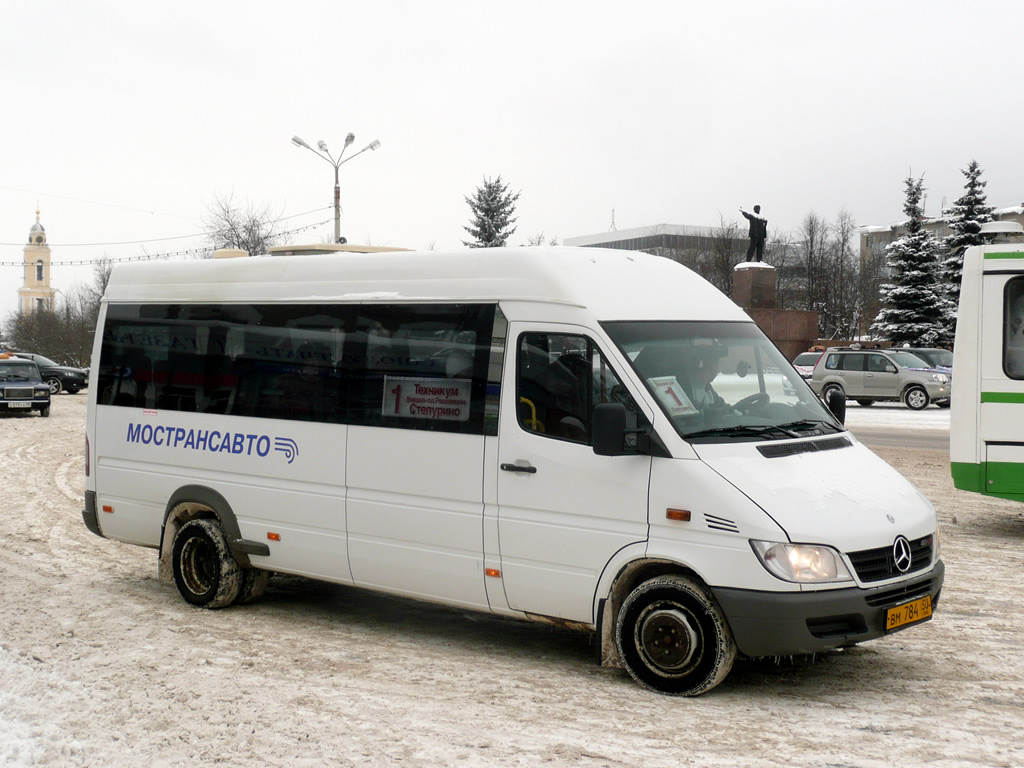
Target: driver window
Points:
(879, 364)
(559, 380)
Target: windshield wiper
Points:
(804, 425)
(743, 431)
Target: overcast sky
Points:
(124, 121)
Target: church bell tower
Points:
(35, 293)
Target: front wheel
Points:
(916, 398)
(44, 411)
(673, 637)
(204, 571)
(54, 383)
(865, 403)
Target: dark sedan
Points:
(58, 376)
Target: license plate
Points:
(19, 405)
(908, 613)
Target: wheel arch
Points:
(192, 502)
(629, 577)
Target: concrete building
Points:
(659, 239)
(36, 293)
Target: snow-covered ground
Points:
(103, 665)
(896, 416)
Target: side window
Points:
(832, 362)
(559, 380)
(1013, 328)
(878, 364)
(422, 367)
(853, 362)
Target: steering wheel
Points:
(752, 402)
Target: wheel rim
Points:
(667, 639)
(54, 386)
(916, 398)
(198, 566)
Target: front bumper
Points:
(795, 623)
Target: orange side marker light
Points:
(682, 515)
(108, 508)
(273, 536)
(493, 573)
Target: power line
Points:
(152, 256)
(162, 239)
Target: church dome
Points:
(37, 233)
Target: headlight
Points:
(940, 377)
(801, 563)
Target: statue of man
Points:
(758, 232)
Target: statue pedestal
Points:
(753, 288)
(753, 285)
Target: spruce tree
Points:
(967, 214)
(913, 304)
(493, 209)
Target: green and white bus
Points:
(986, 443)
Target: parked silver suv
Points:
(867, 375)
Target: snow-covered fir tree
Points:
(913, 304)
(966, 216)
(493, 209)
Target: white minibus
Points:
(986, 437)
(594, 438)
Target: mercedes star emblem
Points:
(901, 554)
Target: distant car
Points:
(867, 375)
(939, 359)
(58, 376)
(804, 363)
(22, 387)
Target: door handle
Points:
(517, 468)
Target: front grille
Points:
(901, 593)
(879, 564)
(18, 393)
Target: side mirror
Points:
(609, 429)
(890, 369)
(836, 402)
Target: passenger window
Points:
(878, 364)
(832, 362)
(1013, 328)
(853, 362)
(560, 378)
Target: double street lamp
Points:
(323, 152)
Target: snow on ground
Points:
(103, 665)
(897, 416)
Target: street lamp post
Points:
(323, 152)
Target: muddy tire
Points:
(916, 398)
(673, 637)
(254, 584)
(204, 571)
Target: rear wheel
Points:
(829, 388)
(204, 571)
(916, 398)
(673, 637)
(866, 403)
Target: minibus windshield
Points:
(721, 381)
